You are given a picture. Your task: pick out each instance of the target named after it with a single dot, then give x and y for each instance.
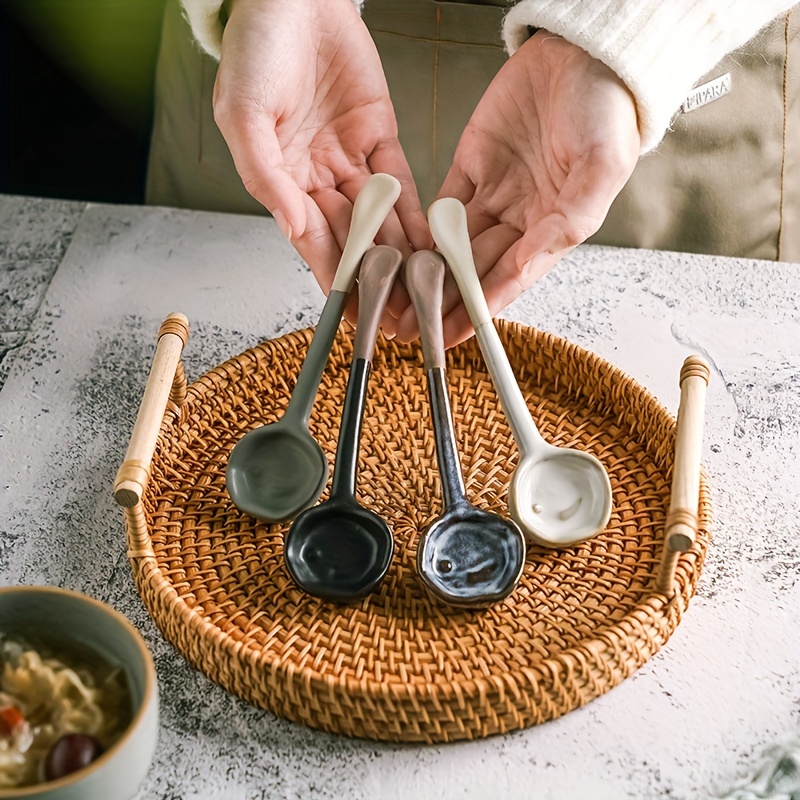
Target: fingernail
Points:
(283, 224)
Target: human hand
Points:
(548, 148)
(302, 102)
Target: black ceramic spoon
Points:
(467, 557)
(340, 550)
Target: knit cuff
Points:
(659, 49)
(204, 19)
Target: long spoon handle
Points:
(448, 221)
(378, 271)
(425, 281)
(424, 273)
(681, 525)
(373, 204)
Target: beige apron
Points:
(725, 180)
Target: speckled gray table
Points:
(695, 721)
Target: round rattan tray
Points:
(400, 665)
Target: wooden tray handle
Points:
(681, 525)
(167, 380)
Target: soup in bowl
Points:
(78, 698)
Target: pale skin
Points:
(302, 102)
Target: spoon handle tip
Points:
(424, 274)
(379, 269)
(372, 206)
(448, 220)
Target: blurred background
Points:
(76, 95)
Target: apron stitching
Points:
(203, 79)
(436, 40)
(785, 127)
(436, 95)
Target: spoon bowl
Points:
(560, 498)
(278, 468)
(471, 558)
(338, 550)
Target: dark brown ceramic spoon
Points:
(340, 550)
(468, 557)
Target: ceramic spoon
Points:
(558, 496)
(277, 470)
(467, 557)
(340, 550)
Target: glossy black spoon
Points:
(467, 557)
(340, 550)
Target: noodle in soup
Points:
(49, 706)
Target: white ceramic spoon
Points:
(558, 496)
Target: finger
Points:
(388, 323)
(337, 210)
(389, 157)
(487, 249)
(500, 287)
(457, 184)
(398, 302)
(258, 158)
(405, 319)
(390, 233)
(351, 309)
(318, 246)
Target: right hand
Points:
(302, 101)
(551, 143)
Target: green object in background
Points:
(108, 46)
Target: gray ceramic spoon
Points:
(277, 470)
(468, 557)
(558, 496)
(340, 550)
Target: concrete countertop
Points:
(83, 290)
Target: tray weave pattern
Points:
(399, 665)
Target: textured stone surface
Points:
(693, 722)
(34, 235)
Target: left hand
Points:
(550, 145)
(302, 102)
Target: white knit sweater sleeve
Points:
(204, 19)
(659, 48)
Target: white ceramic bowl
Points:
(45, 612)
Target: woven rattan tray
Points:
(399, 665)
